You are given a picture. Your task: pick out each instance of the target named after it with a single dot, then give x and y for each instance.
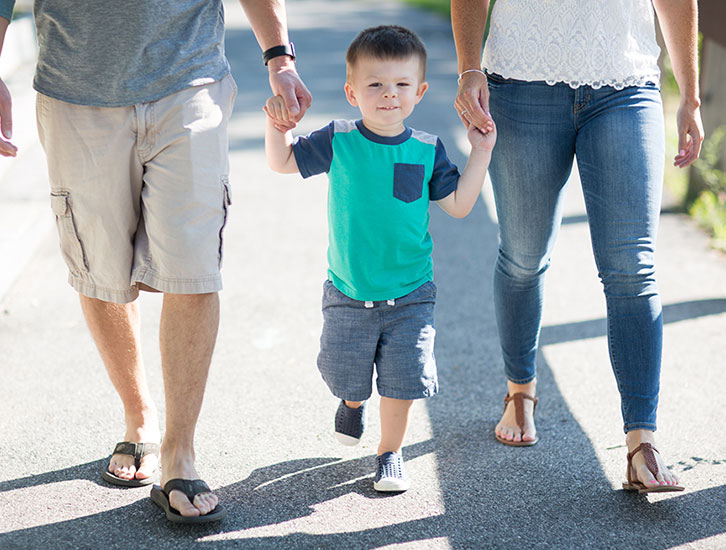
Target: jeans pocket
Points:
(70, 243)
(408, 181)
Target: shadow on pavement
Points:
(554, 495)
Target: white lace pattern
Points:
(580, 42)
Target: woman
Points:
(580, 76)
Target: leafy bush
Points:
(709, 209)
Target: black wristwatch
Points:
(277, 51)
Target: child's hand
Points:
(483, 138)
(279, 115)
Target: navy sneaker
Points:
(350, 423)
(390, 474)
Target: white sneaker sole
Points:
(391, 485)
(346, 440)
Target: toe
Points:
(180, 502)
(120, 467)
(147, 468)
(205, 502)
(122, 471)
(645, 476)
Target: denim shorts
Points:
(396, 336)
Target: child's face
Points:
(385, 91)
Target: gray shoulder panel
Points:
(424, 137)
(344, 126)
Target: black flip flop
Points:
(190, 488)
(138, 451)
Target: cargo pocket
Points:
(226, 201)
(408, 181)
(70, 244)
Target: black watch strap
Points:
(277, 51)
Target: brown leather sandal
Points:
(633, 484)
(518, 399)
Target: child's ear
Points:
(421, 90)
(350, 95)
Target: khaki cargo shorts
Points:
(140, 193)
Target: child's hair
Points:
(386, 42)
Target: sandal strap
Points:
(137, 450)
(648, 454)
(518, 399)
(190, 487)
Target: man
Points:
(133, 104)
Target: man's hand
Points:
(286, 83)
(7, 149)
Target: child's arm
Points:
(460, 202)
(278, 137)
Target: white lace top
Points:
(580, 42)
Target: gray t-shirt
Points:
(113, 54)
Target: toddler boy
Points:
(378, 301)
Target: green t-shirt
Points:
(378, 205)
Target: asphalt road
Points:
(264, 439)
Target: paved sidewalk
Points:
(265, 435)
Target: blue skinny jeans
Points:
(618, 137)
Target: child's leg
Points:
(394, 421)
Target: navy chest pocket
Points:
(408, 181)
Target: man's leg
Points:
(115, 329)
(187, 335)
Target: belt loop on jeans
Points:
(369, 304)
(391, 302)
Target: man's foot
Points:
(509, 430)
(181, 466)
(350, 423)
(390, 474)
(128, 467)
(139, 452)
(190, 488)
(646, 471)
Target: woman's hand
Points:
(690, 134)
(472, 100)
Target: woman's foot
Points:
(647, 468)
(508, 429)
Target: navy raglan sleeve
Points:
(445, 176)
(314, 152)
